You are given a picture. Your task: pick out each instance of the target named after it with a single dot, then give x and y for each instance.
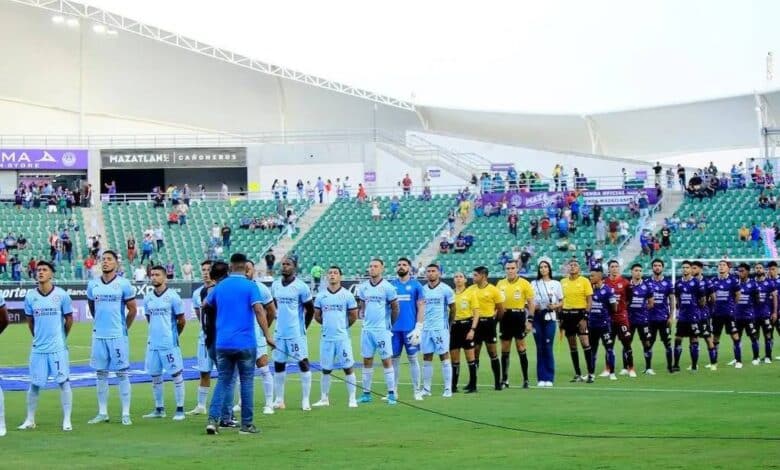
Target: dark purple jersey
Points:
(763, 308)
(638, 296)
(748, 293)
(661, 291)
(725, 290)
(688, 292)
(704, 293)
(601, 307)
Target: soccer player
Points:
(49, 317)
(336, 310)
(165, 315)
(705, 321)
(640, 299)
(108, 296)
(439, 313)
(491, 308)
(745, 314)
(687, 291)
(620, 327)
(600, 319)
(374, 296)
(724, 293)
(410, 314)
(262, 345)
(3, 325)
(463, 332)
(205, 363)
(295, 310)
(519, 309)
(660, 314)
(577, 299)
(766, 308)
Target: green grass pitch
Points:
(728, 402)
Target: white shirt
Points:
(215, 232)
(139, 275)
(546, 293)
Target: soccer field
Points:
(694, 406)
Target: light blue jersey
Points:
(2, 299)
(335, 307)
(437, 302)
(290, 319)
(161, 311)
(48, 312)
(265, 293)
(376, 298)
(196, 311)
(110, 299)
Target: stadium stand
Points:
(347, 236)
(190, 241)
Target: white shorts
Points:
(164, 360)
(372, 341)
(205, 364)
(45, 365)
(336, 354)
(291, 350)
(437, 341)
(110, 353)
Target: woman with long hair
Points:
(548, 296)
(463, 331)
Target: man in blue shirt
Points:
(410, 318)
(240, 305)
(49, 317)
(108, 296)
(439, 313)
(165, 315)
(336, 310)
(262, 344)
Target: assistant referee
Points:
(518, 295)
(491, 308)
(577, 298)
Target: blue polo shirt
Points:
(234, 298)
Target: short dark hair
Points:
(611, 262)
(636, 265)
(238, 258)
(511, 261)
(208, 262)
(685, 261)
(658, 260)
(337, 268)
(112, 253)
(596, 269)
(433, 265)
(405, 260)
(697, 263)
(481, 270)
(249, 261)
(378, 260)
(219, 270)
(47, 264)
(744, 266)
(158, 267)
(771, 264)
(290, 259)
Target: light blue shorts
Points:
(336, 355)
(373, 341)
(164, 360)
(205, 364)
(45, 365)
(291, 350)
(262, 344)
(437, 342)
(110, 353)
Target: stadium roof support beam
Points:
(119, 22)
(593, 133)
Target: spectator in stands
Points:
(361, 193)
(525, 256)
(426, 194)
(376, 214)
(224, 192)
(511, 221)
(657, 172)
(585, 214)
(16, 269)
(320, 186)
(460, 244)
(89, 263)
(3, 260)
(556, 174)
(131, 249)
(147, 246)
(395, 207)
(31, 267)
(406, 185)
(226, 233)
(285, 190)
(692, 223)
(299, 187)
(755, 235)
(159, 199)
(597, 212)
(316, 274)
(646, 243)
(270, 259)
(681, 176)
(159, 237)
(503, 258)
(181, 213)
(67, 248)
(743, 234)
(545, 226)
(623, 230)
(563, 227)
(644, 205)
(534, 227)
(614, 228)
(186, 271)
(464, 208)
(469, 240)
(444, 245)
(772, 202)
(170, 270)
(173, 218)
(310, 193)
(215, 232)
(139, 274)
(666, 237)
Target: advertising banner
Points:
(369, 176)
(228, 157)
(537, 200)
(43, 159)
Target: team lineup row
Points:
(397, 315)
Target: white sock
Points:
(203, 395)
(368, 377)
(32, 401)
(427, 375)
(397, 371)
(390, 380)
(102, 392)
(279, 386)
(351, 385)
(125, 391)
(66, 399)
(446, 374)
(157, 391)
(305, 385)
(268, 385)
(178, 390)
(414, 370)
(325, 386)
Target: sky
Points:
(551, 56)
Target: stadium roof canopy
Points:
(595, 77)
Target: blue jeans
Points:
(544, 337)
(227, 362)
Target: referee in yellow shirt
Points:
(518, 295)
(463, 332)
(491, 308)
(577, 298)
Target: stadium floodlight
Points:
(58, 19)
(72, 22)
(99, 28)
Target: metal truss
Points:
(119, 22)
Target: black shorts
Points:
(705, 328)
(748, 326)
(513, 325)
(621, 331)
(721, 324)
(659, 328)
(458, 334)
(570, 322)
(643, 331)
(766, 326)
(601, 334)
(687, 329)
(486, 331)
